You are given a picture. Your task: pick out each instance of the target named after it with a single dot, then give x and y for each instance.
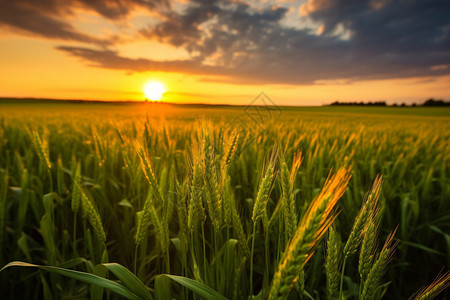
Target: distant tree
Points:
(429, 102)
(361, 103)
(433, 102)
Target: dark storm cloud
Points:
(232, 41)
(361, 39)
(387, 26)
(48, 18)
(40, 18)
(116, 9)
(220, 28)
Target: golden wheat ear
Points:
(316, 221)
(359, 226)
(146, 165)
(435, 288)
(41, 150)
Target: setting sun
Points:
(154, 90)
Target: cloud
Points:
(439, 67)
(111, 60)
(400, 27)
(117, 9)
(228, 31)
(38, 20)
(233, 41)
(48, 18)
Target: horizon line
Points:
(146, 101)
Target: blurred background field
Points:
(408, 146)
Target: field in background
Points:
(408, 146)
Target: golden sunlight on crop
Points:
(154, 90)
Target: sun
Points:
(154, 90)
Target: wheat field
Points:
(157, 201)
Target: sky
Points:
(307, 52)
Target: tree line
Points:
(429, 102)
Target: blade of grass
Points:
(130, 280)
(81, 276)
(197, 287)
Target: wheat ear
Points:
(375, 274)
(263, 194)
(368, 247)
(359, 225)
(76, 192)
(93, 216)
(332, 262)
(143, 220)
(437, 286)
(196, 212)
(313, 225)
(42, 150)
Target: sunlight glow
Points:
(154, 90)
